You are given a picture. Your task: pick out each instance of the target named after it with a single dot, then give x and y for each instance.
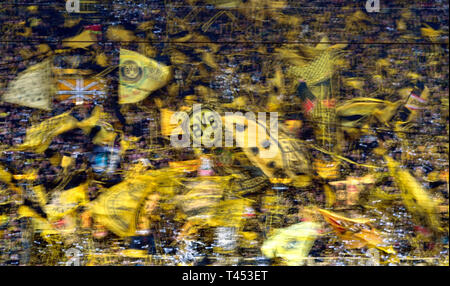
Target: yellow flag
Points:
(418, 101)
(66, 161)
(405, 92)
(26, 33)
(128, 143)
(185, 166)
(387, 113)
(119, 34)
(360, 16)
(273, 103)
(272, 154)
(140, 76)
(26, 53)
(40, 194)
(222, 4)
(278, 80)
(416, 199)
(229, 213)
(5, 176)
(44, 48)
(67, 201)
(359, 106)
(117, 207)
(39, 223)
(203, 197)
(25, 211)
(106, 135)
(401, 25)
(430, 33)
(70, 22)
(83, 40)
(32, 87)
(3, 219)
(357, 110)
(327, 170)
(102, 60)
(166, 126)
(240, 102)
(39, 137)
(178, 57)
(330, 196)
(316, 71)
(293, 243)
(209, 60)
(29, 176)
(87, 124)
(291, 56)
(355, 83)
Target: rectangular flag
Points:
(417, 99)
(117, 207)
(79, 89)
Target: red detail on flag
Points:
(96, 27)
(308, 105)
(418, 98)
(422, 230)
(413, 107)
(337, 225)
(60, 223)
(249, 215)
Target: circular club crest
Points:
(200, 122)
(131, 71)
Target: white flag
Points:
(32, 87)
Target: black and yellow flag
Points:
(118, 33)
(140, 76)
(356, 111)
(38, 137)
(106, 134)
(415, 197)
(117, 208)
(418, 98)
(65, 202)
(293, 243)
(82, 41)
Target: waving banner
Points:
(140, 76)
(32, 88)
(117, 208)
(39, 137)
(292, 243)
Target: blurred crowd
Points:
(242, 41)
